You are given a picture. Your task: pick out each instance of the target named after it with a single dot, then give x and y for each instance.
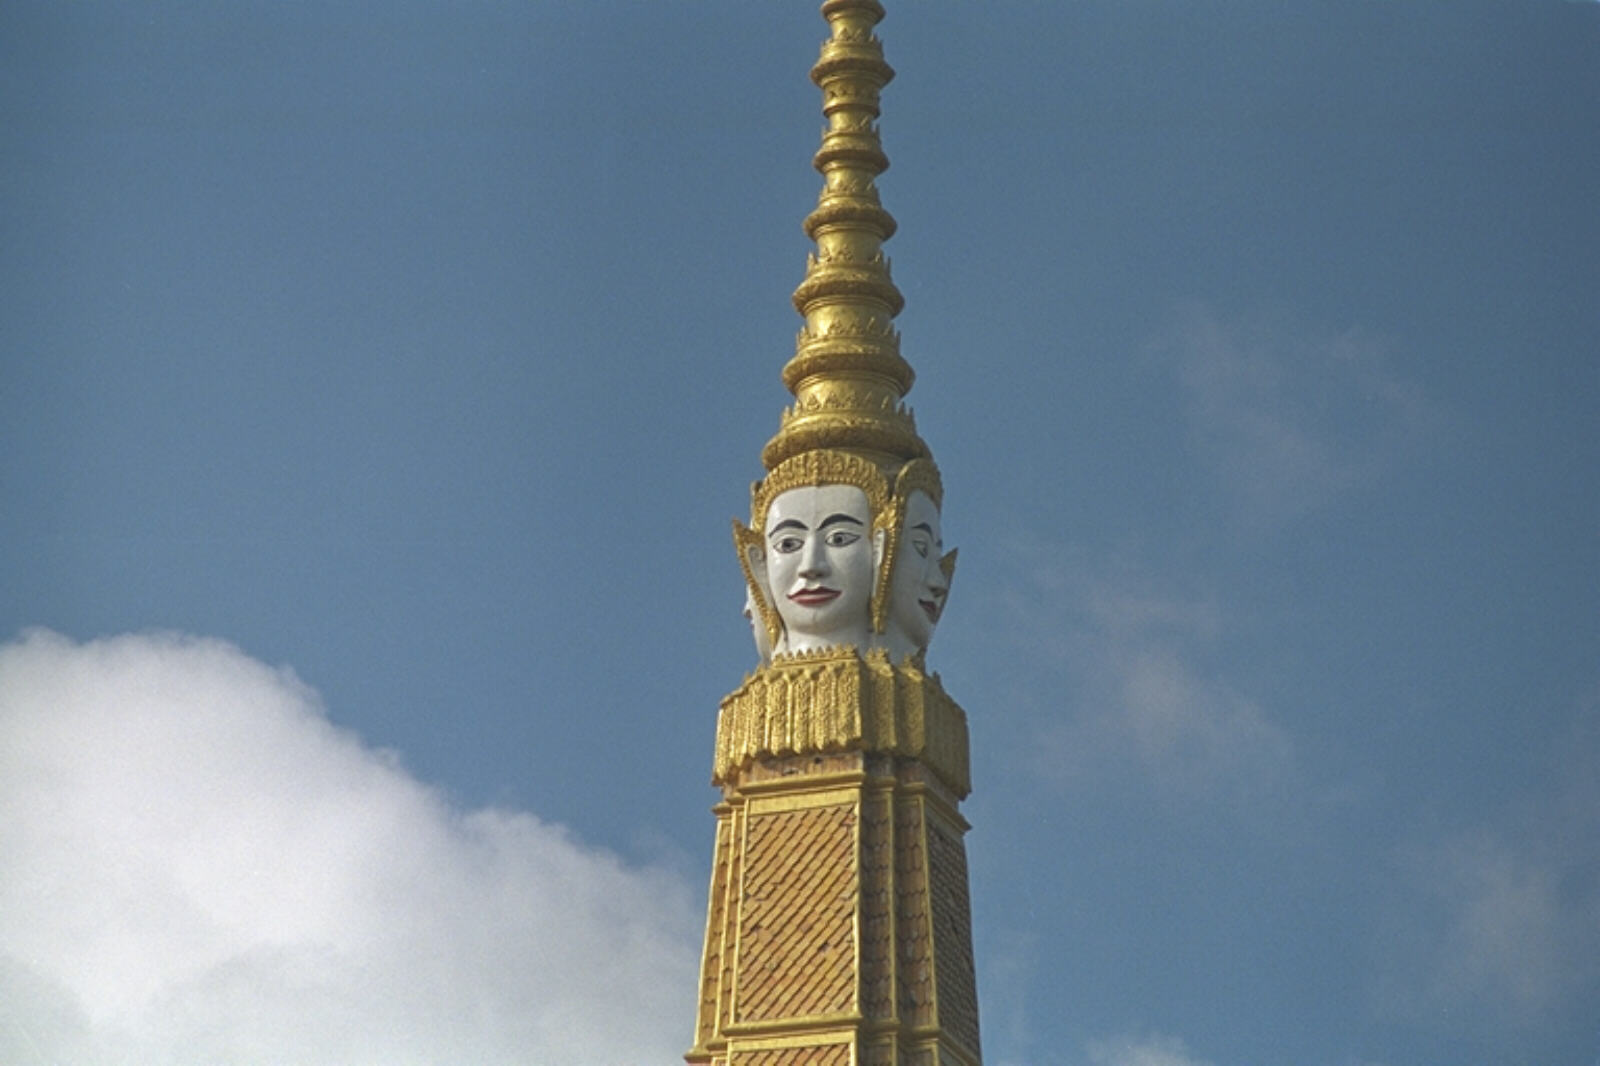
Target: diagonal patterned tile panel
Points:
(796, 926)
(825, 1055)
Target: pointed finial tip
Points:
(847, 375)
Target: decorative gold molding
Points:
(838, 700)
(789, 800)
(820, 468)
(799, 1032)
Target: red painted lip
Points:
(814, 597)
(929, 608)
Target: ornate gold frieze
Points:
(871, 326)
(821, 468)
(838, 700)
(836, 394)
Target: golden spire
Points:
(847, 375)
(839, 922)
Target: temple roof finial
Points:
(847, 376)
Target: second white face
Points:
(918, 587)
(821, 558)
(758, 628)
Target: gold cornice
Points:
(804, 1031)
(838, 700)
(787, 799)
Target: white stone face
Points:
(821, 558)
(917, 588)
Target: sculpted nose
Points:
(813, 559)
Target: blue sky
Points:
(377, 382)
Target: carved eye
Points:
(840, 538)
(788, 545)
(920, 545)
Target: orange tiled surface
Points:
(796, 922)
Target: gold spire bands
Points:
(847, 375)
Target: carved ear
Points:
(947, 565)
(752, 561)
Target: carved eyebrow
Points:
(833, 518)
(787, 523)
(925, 527)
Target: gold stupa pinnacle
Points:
(847, 376)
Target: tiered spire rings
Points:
(847, 375)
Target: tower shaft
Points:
(839, 925)
(838, 932)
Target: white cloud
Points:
(1498, 924)
(1488, 931)
(199, 868)
(1153, 1050)
(1143, 698)
(1286, 421)
(1505, 924)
